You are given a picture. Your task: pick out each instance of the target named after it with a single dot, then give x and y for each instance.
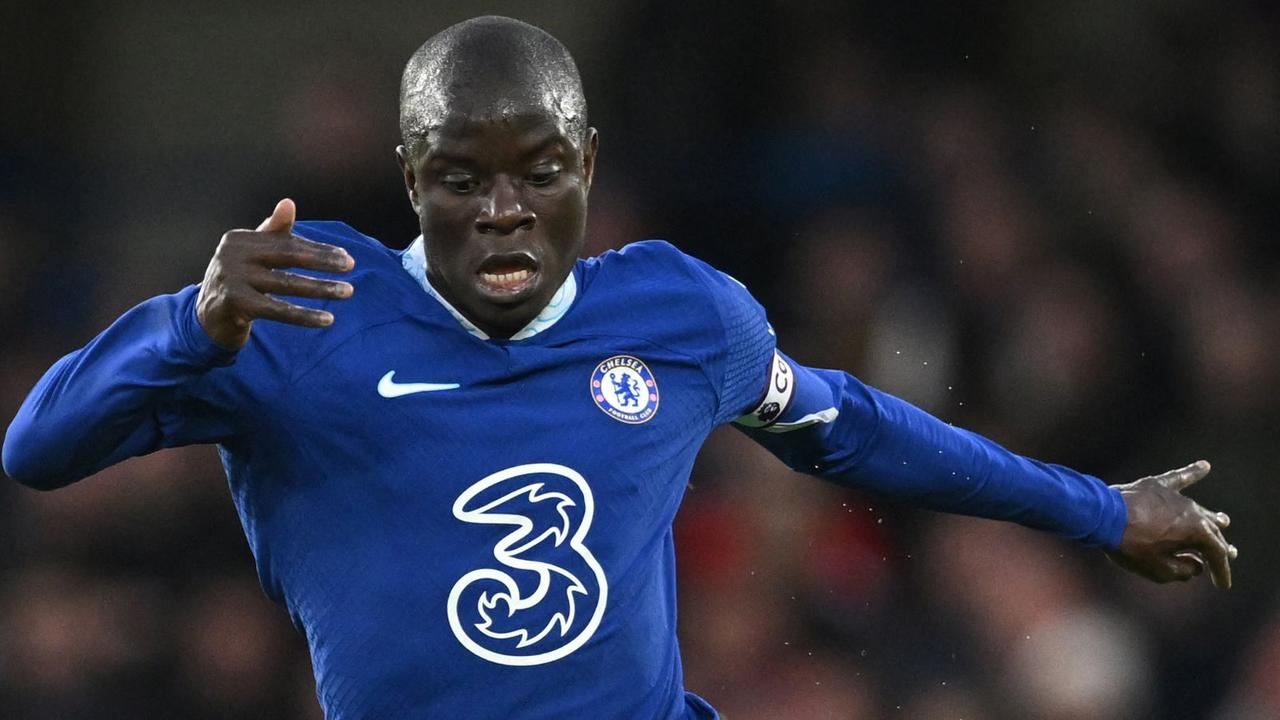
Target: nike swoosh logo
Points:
(389, 388)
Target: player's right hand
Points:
(250, 267)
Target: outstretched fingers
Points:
(265, 307)
(250, 268)
(292, 251)
(279, 282)
(1183, 478)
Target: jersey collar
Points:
(414, 260)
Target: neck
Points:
(501, 325)
(518, 326)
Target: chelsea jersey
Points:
(470, 527)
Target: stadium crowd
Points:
(1051, 223)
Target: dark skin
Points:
(501, 196)
(499, 192)
(1170, 536)
(250, 266)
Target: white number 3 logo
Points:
(548, 594)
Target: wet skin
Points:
(501, 200)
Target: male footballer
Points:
(457, 465)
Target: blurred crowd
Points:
(1052, 223)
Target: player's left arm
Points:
(828, 423)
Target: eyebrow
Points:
(552, 138)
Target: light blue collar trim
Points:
(414, 260)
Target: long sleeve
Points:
(128, 392)
(827, 423)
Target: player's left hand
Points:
(1170, 536)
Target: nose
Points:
(503, 211)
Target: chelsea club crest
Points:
(625, 390)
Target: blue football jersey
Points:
(467, 527)
(479, 528)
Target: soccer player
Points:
(457, 465)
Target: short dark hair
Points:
(480, 56)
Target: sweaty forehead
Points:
(494, 72)
(467, 102)
(489, 140)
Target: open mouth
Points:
(508, 273)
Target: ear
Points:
(410, 176)
(590, 149)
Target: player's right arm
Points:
(137, 387)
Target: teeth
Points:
(510, 278)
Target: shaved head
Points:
(491, 68)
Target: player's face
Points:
(502, 201)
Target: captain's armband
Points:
(777, 397)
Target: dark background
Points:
(1054, 223)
